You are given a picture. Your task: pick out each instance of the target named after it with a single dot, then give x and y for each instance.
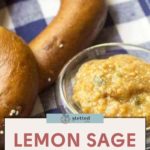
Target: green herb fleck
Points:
(98, 81)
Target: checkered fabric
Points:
(128, 21)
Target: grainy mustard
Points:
(118, 86)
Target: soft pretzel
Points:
(18, 77)
(74, 28)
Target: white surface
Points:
(112, 2)
(49, 7)
(135, 32)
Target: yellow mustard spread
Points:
(118, 86)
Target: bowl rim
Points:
(59, 82)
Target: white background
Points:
(109, 127)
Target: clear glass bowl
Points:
(64, 85)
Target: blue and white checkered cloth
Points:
(128, 21)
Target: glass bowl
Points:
(64, 85)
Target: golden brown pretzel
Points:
(18, 77)
(74, 28)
